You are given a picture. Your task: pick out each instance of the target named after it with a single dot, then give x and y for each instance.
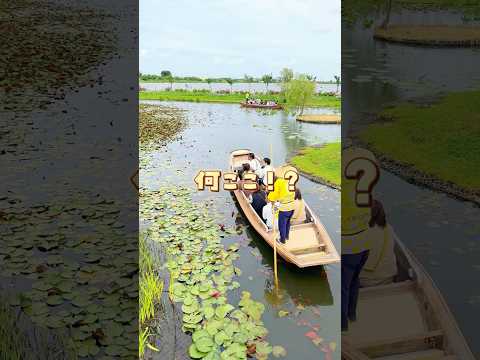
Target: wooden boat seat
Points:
(432, 354)
(404, 344)
(304, 237)
(387, 288)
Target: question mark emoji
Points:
(292, 177)
(366, 172)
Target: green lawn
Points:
(234, 98)
(322, 162)
(442, 140)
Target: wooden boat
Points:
(260, 106)
(309, 243)
(404, 320)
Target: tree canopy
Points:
(298, 92)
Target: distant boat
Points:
(309, 243)
(407, 319)
(260, 106)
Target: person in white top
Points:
(267, 215)
(254, 163)
(262, 172)
(381, 265)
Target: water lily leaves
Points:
(213, 326)
(205, 344)
(88, 347)
(263, 349)
(220, 337)
(209, 312)
(279, 351)
(239, 315)
(235, 351)
(195, 353)
(192, 318)
(54, 300)
(223, 310)
(213, 355)
(188, 309)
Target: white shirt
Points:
(255, 165)
(267, 215)
(263, 172)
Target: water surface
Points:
(312, 295)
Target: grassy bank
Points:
(232, 98)
(440, 141)
(320, 163)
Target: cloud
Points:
(230, 38)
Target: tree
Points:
(310, 77)
(337, 81)
(165, 73)
(267, 79)
(298, 92)
(209, 82)
(248, 79)
(286, 75)
(170, 80)
(230, 82)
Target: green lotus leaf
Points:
(279, 351)
(263, 348)
(209, 312)
(223, 310)
(54, 300)
(220, 337)
(195, 353)
(199, 334)
(204, 344)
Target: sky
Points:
(231, 38)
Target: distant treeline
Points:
(166, 77)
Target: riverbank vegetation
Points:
(440, 141)
(167, 77)
(317, 100)
(321, 164)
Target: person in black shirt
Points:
(259, 201)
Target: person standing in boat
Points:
(381, 265)
(355, 238)
(285, 200)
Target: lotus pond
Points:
(218, 300)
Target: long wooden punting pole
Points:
(274, 232)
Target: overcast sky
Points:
(213, 38)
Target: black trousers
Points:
(352, 265)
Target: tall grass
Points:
(150, 293)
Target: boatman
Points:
(355, 226)
(285, 200)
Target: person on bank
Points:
(285, 199)
(355, 237)
(381, 266)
